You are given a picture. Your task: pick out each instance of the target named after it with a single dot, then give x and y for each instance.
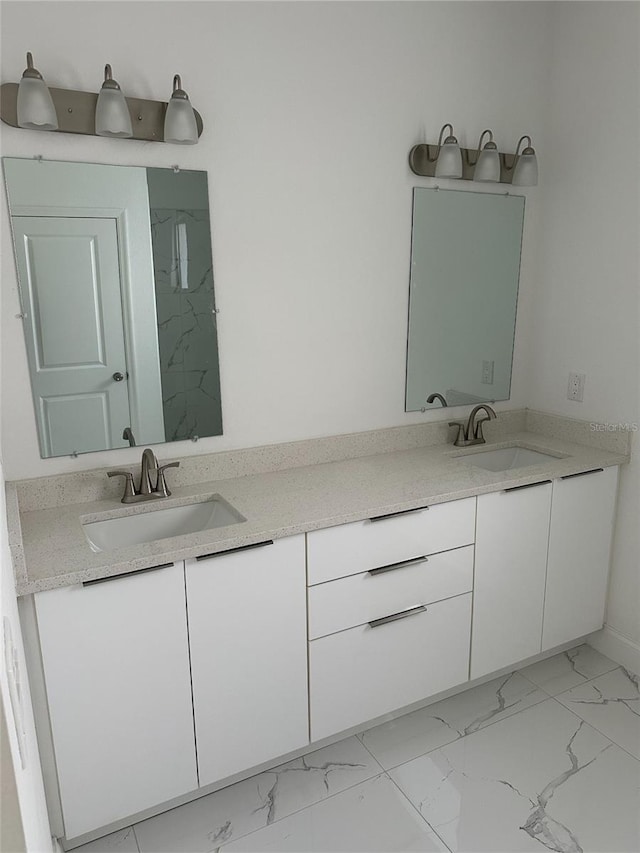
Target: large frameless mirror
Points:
(116, 286)
(465, 266)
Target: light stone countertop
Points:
(50, 549)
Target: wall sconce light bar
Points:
(423, 159)
(76, 113)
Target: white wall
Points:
(310, 110)
(586, 312)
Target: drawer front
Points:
(351, 601)
(362, 673)
(352, 548)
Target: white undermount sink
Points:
(506, 459)
(160, 523)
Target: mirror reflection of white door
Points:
(70, 281)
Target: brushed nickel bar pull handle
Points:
(233, 550)
(413, 611)
(582, 473)
(393, 566)
(526, 486)
(127, 574)
(401, 512)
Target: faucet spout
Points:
(149, 464)
(474, 427)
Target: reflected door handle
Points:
(118, 377)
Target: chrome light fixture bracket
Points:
(423, 159)
(77, 110)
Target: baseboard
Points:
(616, 646)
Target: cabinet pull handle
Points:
(396, 514)
(526, 486)
(396, 616)
(393, 566)
(582, 473)
(127, 574)
(233, 550)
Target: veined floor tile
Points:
(421, 731)
(123, 841)
(568, 669)
(205, 824)
(371, 818)
(539, 779)
(611, 704)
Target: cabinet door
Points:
(247, 630)
(512, 535)
(579, 555)
(116, 667)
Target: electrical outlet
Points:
(575, 390)
(487, 372)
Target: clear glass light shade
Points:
(526, 171)
(449, 163)
(112, 114)
(487, 168)
(35, 106)
(180, 123)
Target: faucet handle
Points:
(462, 432)
(129, 488)
(161, 485)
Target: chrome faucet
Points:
(471, 431)
(146, 490)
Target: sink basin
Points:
(160, 523)
(506, 459)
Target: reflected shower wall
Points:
(187, 334)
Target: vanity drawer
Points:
(347, 602)
(353, 548)
(362, 673)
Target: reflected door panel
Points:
(70, 281)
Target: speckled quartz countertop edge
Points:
(50, 550)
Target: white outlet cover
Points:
(575, 388)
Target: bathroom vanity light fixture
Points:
(32, 105)
(180, 121)
(484, 164)
(487, 166)
(525, 173)
(112, 112)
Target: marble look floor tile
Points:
(205, 824)
(568, 669)
(421, 731)
(123, 841)
(539, 779)
(611, 704)
(372, 818)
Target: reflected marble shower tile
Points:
(414, 734)
(539, 779)
(123, 841)
(372, 818)
(611, 704)
(205, 824)
(568, 669)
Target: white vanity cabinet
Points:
(579, 553)
(512, 534)
(247, 633)
(542, 566)
(389, 613)
(116, 668)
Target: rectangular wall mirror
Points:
(116, 287)
(465, 267)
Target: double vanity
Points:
(178, 644)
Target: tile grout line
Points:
(488, 725)
(417, 810)
(596, 729)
